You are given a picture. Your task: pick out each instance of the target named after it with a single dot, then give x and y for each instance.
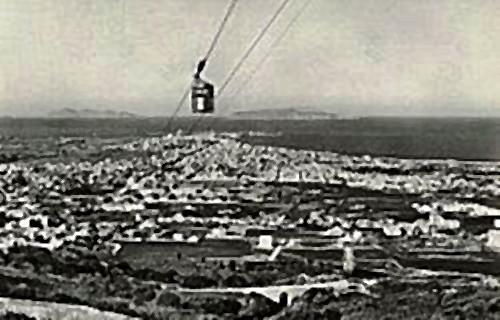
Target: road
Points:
(274, 292)
(56, 311)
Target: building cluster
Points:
(191, 187)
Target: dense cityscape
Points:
(249, 160)
(210, 226)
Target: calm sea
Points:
(472, 139)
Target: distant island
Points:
(284, 114)
(89, 113)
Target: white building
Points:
(494, 240)
(265, 242)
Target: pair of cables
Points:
(201, 65)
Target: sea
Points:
(423, 138)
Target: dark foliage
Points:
(15, 316)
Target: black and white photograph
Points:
(249, 159)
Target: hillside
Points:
(89, 113)
(284, 114)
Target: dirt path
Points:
(56, 311)
(273, 292)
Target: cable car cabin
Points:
(202, 96)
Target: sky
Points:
(354, 57)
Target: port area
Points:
(207, 225)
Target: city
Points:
(208, 215)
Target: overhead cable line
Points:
(275, 43)
(252, 47)
(245, 56)
(268, 53)
(217, 35)
(211, 48)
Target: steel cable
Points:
(211, 48)
(271, 48)
(245, 56)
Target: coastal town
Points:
(211, 215)
(249, 160)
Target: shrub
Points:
(221, 306)
(168, 299)
(236, 280)
(143, 294)
(22, 291)
(64, 298)
(259, 307)
(198, 281)
(15, 316)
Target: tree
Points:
(236, 280)
(283, 299)
(169, 299)
(232, 265)
(198, 281)
(9, 315)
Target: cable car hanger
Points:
(203, 62)
(245, 56)
(202, 93)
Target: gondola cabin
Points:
(202, 96)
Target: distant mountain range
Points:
(89, 113)
(284, 114)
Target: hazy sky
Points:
(369, 57)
